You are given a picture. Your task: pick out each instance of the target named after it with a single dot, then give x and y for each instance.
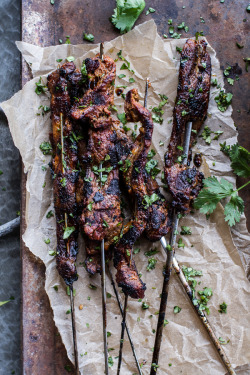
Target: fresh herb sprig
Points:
(126, 13)
(215, 191)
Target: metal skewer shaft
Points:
(127, 330)
(168, 268)
(199, 312)
(122, 333)
(72, 305)
(104, 298)
(126, 296)
(103, 275)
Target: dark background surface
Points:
(44, 24)
(10, 264)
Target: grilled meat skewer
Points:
(191, 105)
(64, 171)
(64, 166)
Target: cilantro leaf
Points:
(213, 192)
(67, 232)
(240, 159)
(126, 13)
(122, 118)
(222, 188)
(233, 209)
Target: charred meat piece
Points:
(100, 83)
(160, 213)
(184, 184)
(101, 212)
(192, 96)
(133, 176)
(101, 216)
(64, 166)
(191, 106)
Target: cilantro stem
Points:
(243, 186)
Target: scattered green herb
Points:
(185, 230)
(151, 264)
(177, 309)
(67, 232)
(223, 308)
(149, 200)
(46, 148)
(40, 88)
(145, 306)
(151, 252)
(88, 37)
(150, 10)
(49, 214)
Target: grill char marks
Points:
(160, 214)
(192, 96)
(64, 169)
(101, 212)
(184, 184)
(101, 78)
(191, 106)
(133, 176)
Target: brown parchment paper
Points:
(212, 247)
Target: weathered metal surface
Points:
(44, 24)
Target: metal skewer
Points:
(199, 312)
(126, 296)
(72, 306)
(172, 261)
(168, 268)
(127, 330)
(103, 276)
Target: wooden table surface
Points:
(44, 24)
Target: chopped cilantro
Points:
(222, 341)
(70, 58)
(67, 232)
(177, 309)
(185, 230)
(239, 45)
(91, 286)
(151, 252)
(110, 361)
(40, 88)
(151, 264)
(223, 308)
(122, 118)
(88, 37)
(136, 251)
(67, 40)
(176, 36)
(145, 306)
(223, 100)
(149, 200)
(180, 243)
(46, 148)
(150, 10)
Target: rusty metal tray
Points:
(44, 24)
